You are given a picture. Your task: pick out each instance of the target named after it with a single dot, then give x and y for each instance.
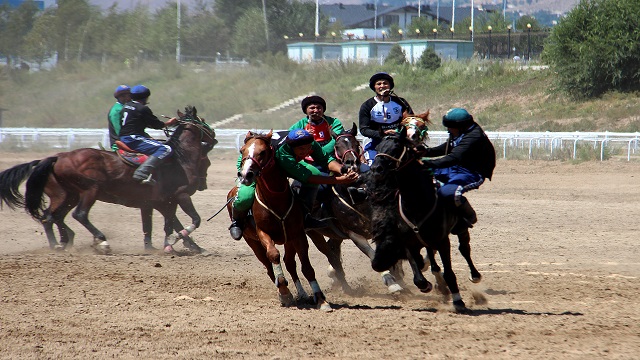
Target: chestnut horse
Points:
(81, 177)
(277, 220)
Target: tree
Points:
(595, 48)
(396, 56)
(248, 36)
(39, 44)
(429, 60)
(17, 25)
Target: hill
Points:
(502, 97)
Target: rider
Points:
(290, 157)
(469, 158)
(136, 117)
(317, 123)
(123, 96)
(382, 113)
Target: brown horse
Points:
(81, 177)
(416, 126)
(349, 219)
(277, 216)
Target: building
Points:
(16, 3)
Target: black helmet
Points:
(140, 92)
(380, 76)
(313, 99)
(457, 118)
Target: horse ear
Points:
(354, 129)
(405, 114)
(269, 134)
(180, 114)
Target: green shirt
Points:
(301, 170)
(332, 123)
(115, 116)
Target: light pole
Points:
(452, 31)
(509, 42)
(333, 36)
(435, 33)
(417, 33)
(178, 41)
(384, 33)
(529, 42)
(490, 28)
(401, 33)
(470, 33)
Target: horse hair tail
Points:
(34, 199)
(10, 181)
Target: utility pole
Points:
(266, 24)
(178, 41)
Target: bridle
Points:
(399, 164)
(355, 153)
(270, 160)
(418, 125)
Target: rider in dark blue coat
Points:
(468, 158)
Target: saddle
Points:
(129, 156)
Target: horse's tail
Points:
(34, 199)
(10, 181)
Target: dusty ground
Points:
(557, 244)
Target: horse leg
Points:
(441, 284)
(464, 246)
(450, 277)
(331, 249)
(186, 239)
(418, 279)
(184, 200)
(168, 211)
(81, 214)
(272, 253)
(302, 249)
(389, 277)
(146, 214)
(290, 263)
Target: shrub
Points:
(429, 60)
(396, 56)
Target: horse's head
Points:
(416, 126)
(257, 154)
(348, 150)
(394, 151)
(194, 138)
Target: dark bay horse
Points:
(349, 219)
(277, 216)
(81, 177)
(404, 201)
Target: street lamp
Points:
(417, 33)
(317, 36)
(400, 32)
(452, 31)
(490, 28)
(529, 41)
(470, 33)
(435, 33)
(301, 35)
(384, 33)
(286, 37)
(333, 36)
(509, 41)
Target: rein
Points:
(283, 218)
(416, 227)
(346, 203)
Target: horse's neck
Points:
(273, 185)
(414, 185)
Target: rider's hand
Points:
(171, 122)
(390, 132)
(348, 178)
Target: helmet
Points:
(121, 90)
(298, 137)
(457, 118)
(140, 92)
(313, 99)
(380, 76)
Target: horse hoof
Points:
(394, 288)
(325, 306)
(102, 247)
(475, 279)
(427, 289)
(286, 300)
(168, 249)
(331, 272)
(460, 307)
(58, 247)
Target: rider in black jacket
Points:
(468, 158)
(380, 114)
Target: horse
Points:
(404, 201)
(277, 220)
(349, 219)
(81, 177)
(417, 134)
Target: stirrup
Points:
(148, 181)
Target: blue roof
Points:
(17, 3)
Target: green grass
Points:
(500, 96)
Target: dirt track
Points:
(557, 244)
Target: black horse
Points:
(404, 202)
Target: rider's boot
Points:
(466, 214)
(237, 223)
(144, 172)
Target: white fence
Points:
(509, 145)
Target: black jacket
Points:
(474, 152)
(372, 129)
(136, 118)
